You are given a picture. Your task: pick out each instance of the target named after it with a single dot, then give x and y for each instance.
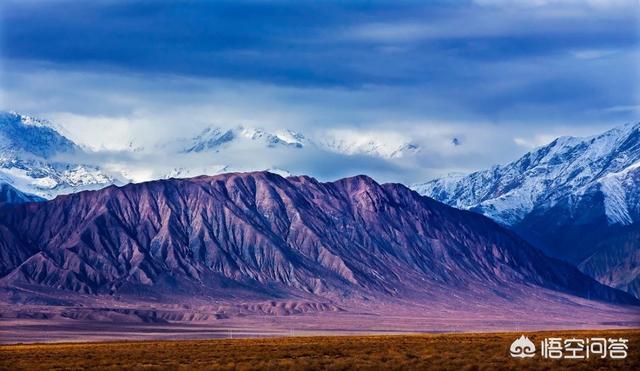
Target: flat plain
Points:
(461, 351)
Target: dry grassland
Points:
(440, 351)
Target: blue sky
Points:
(501, 76)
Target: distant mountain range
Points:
(215, 139)
(257, 235)
(577, 199)
(35, 157)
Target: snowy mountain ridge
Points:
(343, 142)
(565, 171)
(35, 158)
(384, 145)
(216, 139)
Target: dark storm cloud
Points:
(520, 67)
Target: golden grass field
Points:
(439, 351)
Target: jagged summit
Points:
(25, 134)
(36, 158)
(566, 171)
(215, 139)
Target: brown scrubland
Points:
(463, 351)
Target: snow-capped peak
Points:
(291, 137)
(32, 121)
(23, 134)
(385, 144)
(566, 170)
(284, 137)
(388, 145)
(215, 139)
(36, 158)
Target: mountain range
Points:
(216, 139)
(246, 237)
(577, 199)
(37, 157)
(243, 238)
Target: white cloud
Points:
(593, 53)
(535, 141)
(97, 133)
(494, 18)
(408, 31)
(383, 143)
(622, 108)
(598, 4)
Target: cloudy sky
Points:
(499, 76)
